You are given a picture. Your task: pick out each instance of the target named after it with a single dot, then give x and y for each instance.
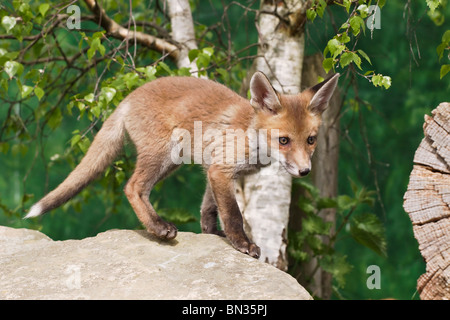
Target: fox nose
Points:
(304, 172)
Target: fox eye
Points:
(311, 140)
(284, 140)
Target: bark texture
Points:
(182, 31)
(427, 202)
(264, 198)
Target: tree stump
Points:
(427, 201)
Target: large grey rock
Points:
(125, 264)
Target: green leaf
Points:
(335, 47)
(317, 245)
(224, 73)
(108, 93)
(364, 55)
(25, 91)
(346, 202)
(12, 68)
(349, 57)
(444, 70)
(150, 72)
(328, 64)
(313, 224)
(347, 4)
(8, 23)
(445, 43)
(298, 255)
(321, 8)
(376, 80)
(184, 72)
(89, 97)
(208, 51)
(120, 176)
(39, 92)
(363, 10)
(75, 139)
(380, 80)
(337, 266)
(4, 147)
(386, 82)
(437, 17)
(368, 230)
(131, 80)
(203, 60)
(446, 37)
(306, 205)
(55, 119)
(433, 4)
(307, 185)
(84, 144)
(96, 110)
(346, 59)
(343, 38)
(43, 8)
(193, 54)
(356, 23)
(162, 65)
(19, 148)
(90, 53)
(311, 14)
(326, 203)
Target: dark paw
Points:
(164, 230)
(249, 248)
(213, 231)
(220, 233)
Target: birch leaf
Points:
(368, 230)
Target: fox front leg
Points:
(222, 187)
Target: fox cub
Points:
(151, 115)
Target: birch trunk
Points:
(183, 32)
(264, 198)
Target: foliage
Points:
(441, 49)
(337, 52)
(317, 238)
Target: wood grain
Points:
(427, 201)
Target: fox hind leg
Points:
(209, 213)
(148, 172)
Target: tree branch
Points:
(121, 33)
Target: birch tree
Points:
(265, 197)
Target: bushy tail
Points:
(107, 144)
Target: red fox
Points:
(153, 112)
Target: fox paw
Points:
(249, 248)
(164, 230)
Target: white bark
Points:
(183, 31)
(264, 198)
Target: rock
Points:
(125, 264)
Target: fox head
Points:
(292, 121)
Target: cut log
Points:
(427, 201)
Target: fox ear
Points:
(263, 95)
(322, 94)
